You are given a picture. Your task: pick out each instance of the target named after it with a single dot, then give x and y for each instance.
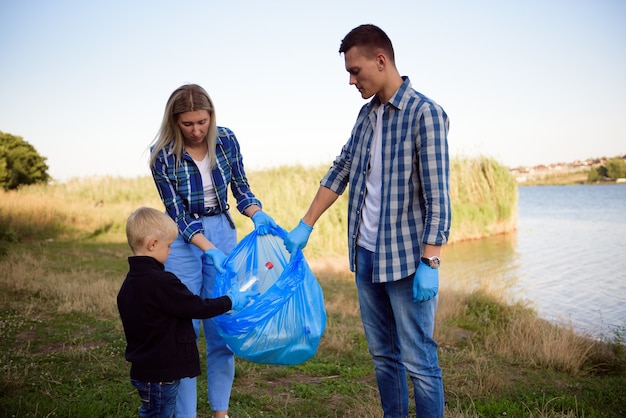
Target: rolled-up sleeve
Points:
(230, 163)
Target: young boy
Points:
(156, 310)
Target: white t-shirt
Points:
(368, 231)
(210, 197)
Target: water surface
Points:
(567, 258)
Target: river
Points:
(567, 259)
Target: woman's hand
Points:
(263, 223)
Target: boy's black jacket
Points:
(156, 310)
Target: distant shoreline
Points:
(573, 173)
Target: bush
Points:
(616, 168)
(20, 164)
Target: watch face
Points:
(432, 262)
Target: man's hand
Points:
(298, 237)
(425, 283)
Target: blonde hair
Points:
(146, 222)
(187, 98)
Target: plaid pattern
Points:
(415, 206)
(180, 186)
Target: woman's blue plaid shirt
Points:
(415, 202)
(180, 185)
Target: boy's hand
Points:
(240, 299)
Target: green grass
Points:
(67, 360)
(63, 257)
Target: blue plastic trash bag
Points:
(285, 323)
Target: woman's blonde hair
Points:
(187, 98)
(146, 222)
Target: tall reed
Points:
(484, 198)
(483, 195)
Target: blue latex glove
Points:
(263, 223)
(218, 258)
(240, 299)
(425, 283)
(298, 237)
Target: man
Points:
(397, 164)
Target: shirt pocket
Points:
(186, 344)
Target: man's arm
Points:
(299, 236)
(431, 250)
(324, 198)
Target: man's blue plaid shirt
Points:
(415, 202)
(180, 185)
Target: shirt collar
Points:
(397, 100)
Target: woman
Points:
(193, 161)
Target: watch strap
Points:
(432, 262)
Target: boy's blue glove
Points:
(263, 222)
(425, 283)
(298, 237)
(240, 299)
(218, 258)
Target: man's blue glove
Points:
(298, 237)
(240, 299)
(263, 223)
(218, 258)
(425, 283)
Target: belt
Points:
(216, 211)
(213, 211)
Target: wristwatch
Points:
(432, 262)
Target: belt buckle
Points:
(212, 211)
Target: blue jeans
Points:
(158, 399)
(197, 272)
(399, 335)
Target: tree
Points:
(20, 163)
(616, 168)
(593, 175)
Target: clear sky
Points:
(526, 82)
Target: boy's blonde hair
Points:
(146, 222)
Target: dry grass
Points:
(487, 345)
(76, 209)
(74, 290)
(539, 343)
(478, 336)
(483, 194)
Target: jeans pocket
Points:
(143, 390)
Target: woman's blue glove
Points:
(218, 258)
(263, 223)
(298, 237)
(425, 283)
(240, 299)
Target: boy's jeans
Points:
(158, 399)
(399, 335)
